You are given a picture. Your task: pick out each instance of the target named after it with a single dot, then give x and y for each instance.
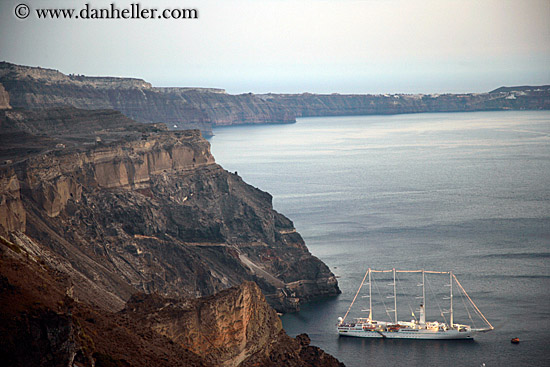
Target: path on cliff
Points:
(256, 269)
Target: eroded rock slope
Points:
(43, 324)
(124, 207)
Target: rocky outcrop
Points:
(127, 207)
(43, 324)
(235, 327)
(12, 213)
(226, 328)
(4, 98)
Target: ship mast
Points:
(356, 294)
(423, 289)
(451, 284)
(394, 297)
(370, 295)
(423, 306)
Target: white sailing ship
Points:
(417, 328)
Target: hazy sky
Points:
(323, 46)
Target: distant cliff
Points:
(522, 88)
(180, 108)
(205, 108)
(225, 109)
(307, 104)
(126, 207)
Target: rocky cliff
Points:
(4, 98)
(204, 108)
(233, 328)
(125, 207)
(307, 104)
(42, 323)
(179, 108)
(226, 109)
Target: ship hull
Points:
(405, 334)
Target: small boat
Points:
(367, 327)
(515, 341)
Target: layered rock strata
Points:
(43, 324)
(179, 108)
(204, 108)
(307, 104)
(126, 207)
(232, 328)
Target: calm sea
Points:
(467, 192)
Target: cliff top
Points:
(55, 76)
(21, 72)
(190, 89)
(522, 88)
(25, 133)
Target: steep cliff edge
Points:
(232, 328)
(126, 207)
(179, 108)
(38, 88)
(205, 108)
(42, 324)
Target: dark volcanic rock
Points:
(41, 324)
(144, 209)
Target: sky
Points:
(295, 46)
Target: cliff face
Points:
(12, 213)
(307, 104)
(179, 108)
(204, 108)
(38, 88)
(4, 98)
(226, 328)
(225, 109)
(126, 207)
(233, 328)
(43, 324)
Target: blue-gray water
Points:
(468, 192)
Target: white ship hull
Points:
(407, 334)
(367, 327)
